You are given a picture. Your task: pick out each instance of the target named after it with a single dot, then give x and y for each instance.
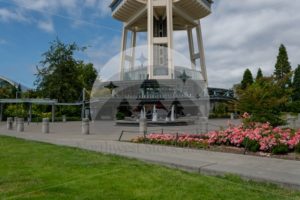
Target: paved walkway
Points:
(282, 172)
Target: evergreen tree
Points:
(247, 79)
(283, 66)
(259, 74)
(296, 84)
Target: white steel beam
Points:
(201, 52)
(185, 16)
(191, 47)
(133, 46)
(123, 52)
(150, 38)
(135, 17)
(170, 31)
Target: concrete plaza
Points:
(104, 136)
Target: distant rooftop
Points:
(13, 83)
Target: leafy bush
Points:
(280, 149)
(16, 111)
(69, 119)
(69, 111)
(293, 107)
(272, 118)
(251, 145)
(254, 137)
(120, 116)
(264, 100)
(297, 148)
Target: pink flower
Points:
(246, 115)
(264, 134)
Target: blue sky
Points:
(27, 28)
(237, 35)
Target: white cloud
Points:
(78, 12)
(100, 50)
(46, 5)
(46, 26)
(237, 35)
(74, 8)
(7, 15)
(247, 34)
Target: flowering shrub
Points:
(183, 140)
(254, 137)
(264, 135)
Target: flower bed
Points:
(254, 137)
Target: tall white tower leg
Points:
(133, 45)
(201, 52)
(150, 39)
(191, 47)
(123, 52)
(170, 38)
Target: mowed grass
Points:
(31, 170)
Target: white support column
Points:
(30, 113)
(201, 52)
(191, 47)
(150, 38)
(133, 45)
(53, 113)
(123, 52)
(170, 38)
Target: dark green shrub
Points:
(120, 116)
(297, 148)
(273, 119)
(251, 145)
(293, 107)
(69, 111)
(16, 111)
(69, 119)
(280, 149)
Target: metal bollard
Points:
(15, 121)
(64, 118)
(9, 123)
(143, 127)
(45, 126)
(20, 125)
(85, 126)
(232, 116)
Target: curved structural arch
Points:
(8, 81)
(13, 83)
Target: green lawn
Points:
(30, 170)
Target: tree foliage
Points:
(247, 79)
(7, 91)
(296, 85)
(259, 74)
(87, 75)
(283, 66)
(263, 100)
(61, 76)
